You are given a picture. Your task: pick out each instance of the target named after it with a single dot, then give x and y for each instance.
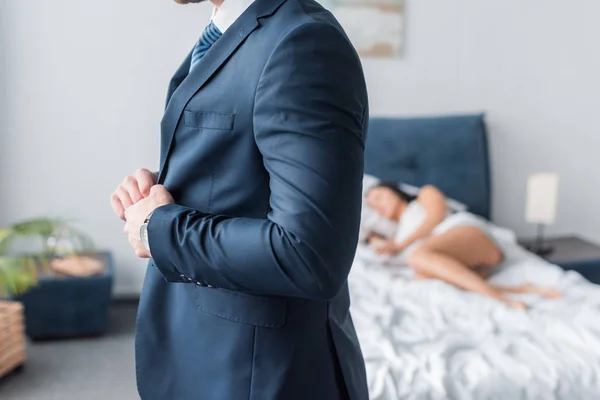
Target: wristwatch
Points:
(144, 232)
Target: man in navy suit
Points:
(252, 221)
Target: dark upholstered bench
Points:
(61, 307)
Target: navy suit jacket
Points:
(262, 149)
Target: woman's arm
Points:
(434, 202)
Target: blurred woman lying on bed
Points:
(455, 248)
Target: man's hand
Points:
(139, 249)
(137, 213)
(133, 189)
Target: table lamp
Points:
(542, 196)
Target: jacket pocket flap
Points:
(208, 120)
(267, 312)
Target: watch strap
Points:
(144, 232)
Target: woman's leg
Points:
(528, 288)
(451, 257)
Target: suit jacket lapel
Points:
(180, 75)
(214, 58)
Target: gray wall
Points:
(85, 85)
(533, 67)
(3, 115)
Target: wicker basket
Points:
(12, 337)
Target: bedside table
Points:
(573, 253)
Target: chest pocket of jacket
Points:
(208, 120)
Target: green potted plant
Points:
(46, 239)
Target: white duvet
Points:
(429, 340)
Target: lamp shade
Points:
(542, 197)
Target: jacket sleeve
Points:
(310, 118)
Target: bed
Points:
(429, 340)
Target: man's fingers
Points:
(130, 184)
(157, 190)
(124, 197)
(117, 207)
(132, 190)
(145, 180)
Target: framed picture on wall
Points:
(375, 27)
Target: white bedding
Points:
(429, 340)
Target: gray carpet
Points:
(82, 369)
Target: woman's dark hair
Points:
(393, 186)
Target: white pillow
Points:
(373, 222)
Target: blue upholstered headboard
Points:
(448, 152)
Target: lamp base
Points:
(541, 249)
(538, 246)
